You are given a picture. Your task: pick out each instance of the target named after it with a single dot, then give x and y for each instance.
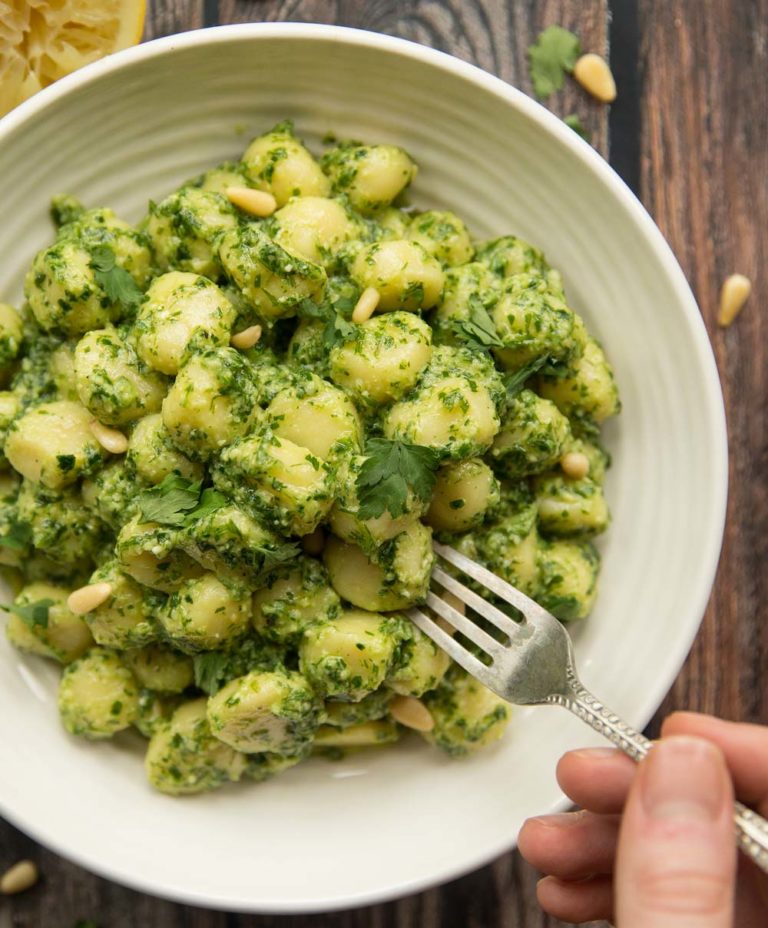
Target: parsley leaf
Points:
(31, 614)
(556, 51)
(210, 501)
(478, 330)
(170, 501)
(116, 282)
(276, 555)
(514, 383)
(390, 470)
(18, 537)
(337, 329)
(574, 122)
(209, 669)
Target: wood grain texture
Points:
(695, 131)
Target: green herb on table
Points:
(116, 282)
(554, 54)
(574, 122)
(391, 469)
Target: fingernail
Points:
(683, 779)
(596, 753)
(559, 819)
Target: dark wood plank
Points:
(703, 177)
(166, 17)
(493, 34)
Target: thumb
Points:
(676, 861)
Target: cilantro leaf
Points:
(18, 537)
(170, 501)
(209, 669)
(116, 282)
(555, 51)
(478, 330)
(574, 122)
(391, 469)
(31, 614)
(514, 383)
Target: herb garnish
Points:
(514, 383)
(116, 282)
(478, 330)
(391, 469)
(31, 614)
(18, 537)
(209, 670)
(178, 501)
(555, 52)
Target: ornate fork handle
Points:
(751, 829)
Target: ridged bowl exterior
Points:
(330, 835)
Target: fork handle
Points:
(751, 828)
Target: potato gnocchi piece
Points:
(183, 757)
(467, 715)
(372, 176)
(384, 359)
(126, 618)
(279, 163)
(53, 444)
(293, 597)
(182, 311)
(404, 273)
(204, 614)
(570, 507)
(112, 383)
(265, 712)
(588, 389)
(98, 695)
(314, 228)
(532, 437)
(184, 227)
(64, 637)
(349, 657)
(464, 492)
(153, 455)
(443, 235)
(568, 578)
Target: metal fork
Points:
(535, 666)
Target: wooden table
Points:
(689, 133)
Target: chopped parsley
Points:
(554, 53)
(391, 469)
(31, 614)
(116, 282)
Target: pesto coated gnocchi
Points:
(229, 433)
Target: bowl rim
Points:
(634, 211)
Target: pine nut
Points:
(411, 712)
(21, 876)
(575, 464)
(256, 202)
(366, 305)
(314, 543)
(88, 598)
(110, 439)
(733, 296)
(594, 75)
(247, 338)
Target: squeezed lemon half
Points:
(42, 40)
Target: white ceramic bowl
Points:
(375, 826)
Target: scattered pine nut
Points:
(247, 338)
(88, 598)
(314, 543)
(366, 305)
(411, 712)
(110, 439)
(733, 296)
(575, 464)
(594, 75)
(256, 202)
(20, 877)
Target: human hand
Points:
(654, 845)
